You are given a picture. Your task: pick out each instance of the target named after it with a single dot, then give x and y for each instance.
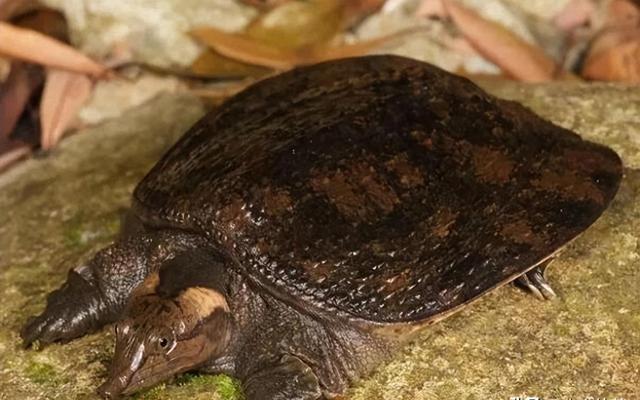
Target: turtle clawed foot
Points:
(42, 329)
(55, 325)
(535, 282)
(70, 313)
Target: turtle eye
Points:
(165, 344)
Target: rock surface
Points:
(61, 207)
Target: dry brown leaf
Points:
(614, 54)
(355, 49)
(64, 93)
(516, 57)
(609, 38)
(299, 24)
(213, 65)
(431, 8)
(265, 4)
(15, 94)
(28, 45)
(45, 21)
(5, 68)
(620, 62)
(576, 13)
(622, 13)
(14, 152)
(357, 10)
(307, 28)
(10, 8)
(240, 48)
(294, 33)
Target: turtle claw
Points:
(54, 325)
(535, 282)
(42, 330)
(71, 312)
(30, 332)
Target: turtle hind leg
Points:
(288, 379)
(535, 282)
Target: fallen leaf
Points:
(575, 13)
(431, 9)
(15, 93)
(265, 4)
(355, 49)
(10, 8)
(5, 68)
(239, 47)
(29, 45)
(45, 21)
(213, 65)
(622, 12)
(27, 129)
(516, 57)
(244, 49)
(612, 37)
(63, 95)
(13, 152)
(298, 24)
(294, 33)
(357, 10)
(614, 54)
(309, 23)
(620, 62)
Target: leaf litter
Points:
(578, 39)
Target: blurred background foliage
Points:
(65, 64)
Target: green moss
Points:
(226, 387)
(229, 388)
(155, 393)
(43, 373)
(73, 235)
(195, 386)
(80, 231)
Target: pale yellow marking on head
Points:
(204, 300)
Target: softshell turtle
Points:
(301, 232)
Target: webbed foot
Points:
(289, 379)
(71, 312)
(535, 282)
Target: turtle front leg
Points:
(535, 282)
(92, 296)
(288, 379)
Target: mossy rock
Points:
(62, 206)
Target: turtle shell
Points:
(379, 188)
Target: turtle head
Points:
(161, 337)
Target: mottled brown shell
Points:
(380, 188)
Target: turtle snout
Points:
(115, 386)
(109, 390)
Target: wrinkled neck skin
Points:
(265, 328)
